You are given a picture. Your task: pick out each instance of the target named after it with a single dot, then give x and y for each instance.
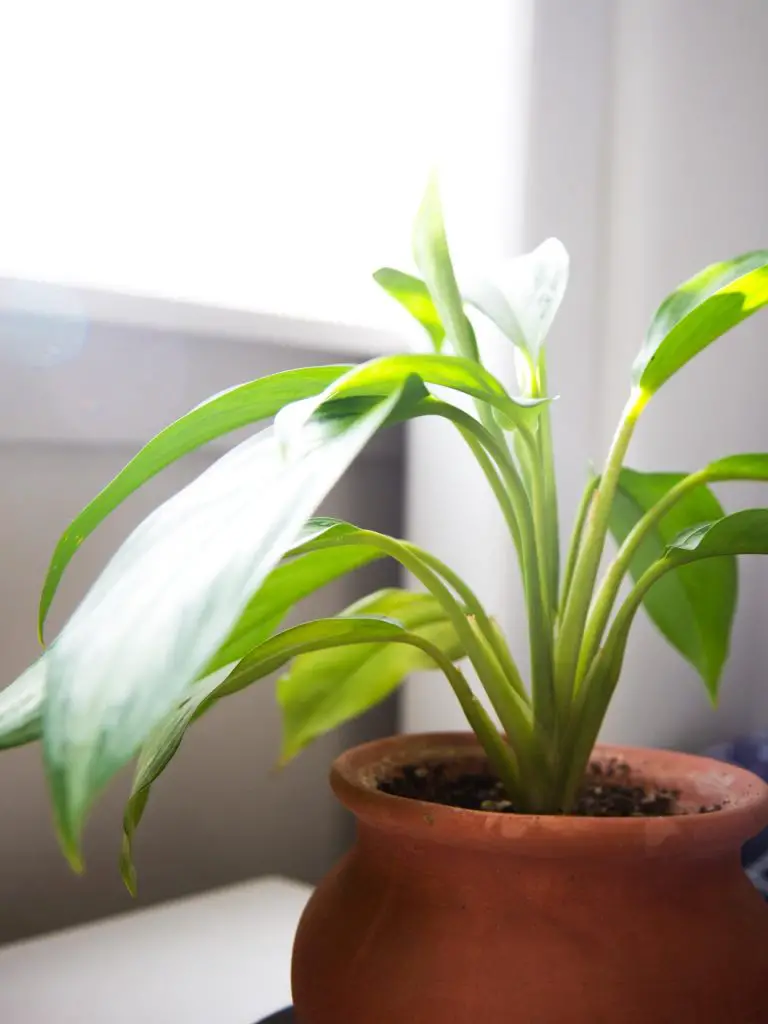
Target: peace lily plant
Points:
(188, 610)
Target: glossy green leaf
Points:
(430, 251)
(273, 654)
(743, 533)
(170, 597)
(699, 312)
(327, 688)
(413, 295)
(219, 415)
(693, 607)
(524, 295)
(21, 707)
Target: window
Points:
(252, 154)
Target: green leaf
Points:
(524, 295)
(751, 466)
(380, 376)
(699, 312)
(221, 414)
(285, 586)
(412, 294)
(21, 707)
(170, 597)
(273, 654)
(325, 689)
(743, 533)
(693, 607)
(430, 251)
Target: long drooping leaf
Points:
(324, 689)
(219, 415)
(524, 295)
(21, 707)
(270, 656)
(694, 607)
(170, 597)
(743, 533)
(698, 312)
(430, 250)
(21, 702)
(413, 295)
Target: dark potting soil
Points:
(608, 791)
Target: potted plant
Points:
(510, 873)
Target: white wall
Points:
(221, 813)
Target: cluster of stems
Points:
(577, 630)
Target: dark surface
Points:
(284, 1017)
(608, 791)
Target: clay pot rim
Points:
(700, 780)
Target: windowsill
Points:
(76, 366)
(95, 306)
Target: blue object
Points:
(750, 752)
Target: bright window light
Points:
(255, 154)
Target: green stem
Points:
(492, 635)
(508, 489)
(575, 545)
(547, 460)
(500, 754)
(484, 411)
(513, 712)
(500, 492)
(600, 682)
(588, 559)
(538, 600)
(538, 501)
(609, 588)
(540, 635)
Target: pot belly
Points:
(401, 933)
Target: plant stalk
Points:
(598, 687)
(547, 458)
(509, 492)
(588, 559)
(539, 623)
(576, 538)
(492, 635)
(513, 711)
(539, 609)
(609, 588)
(500, 754)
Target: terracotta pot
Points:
(446, 916)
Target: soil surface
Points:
(608, 791)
